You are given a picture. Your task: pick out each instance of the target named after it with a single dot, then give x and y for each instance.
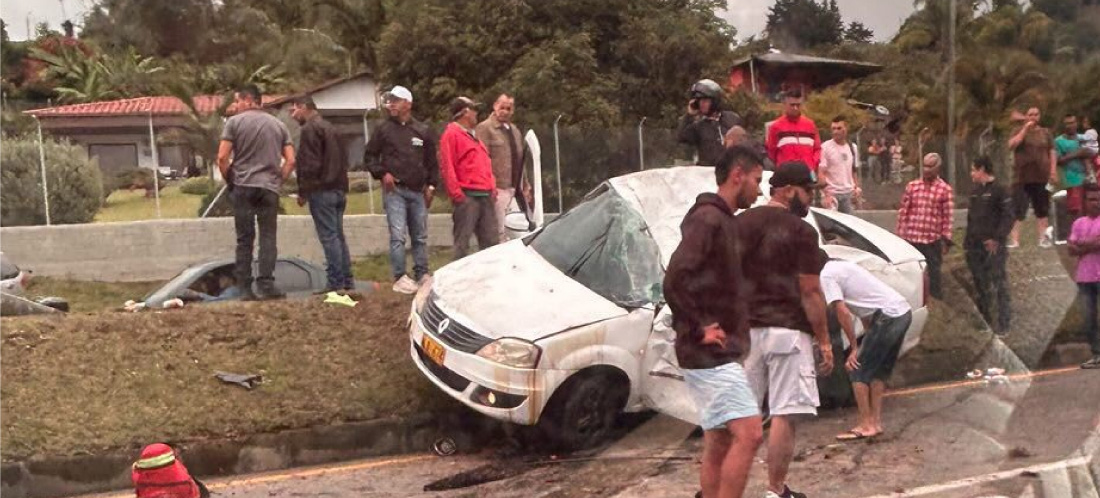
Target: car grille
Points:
(453, 380)
(455, 335)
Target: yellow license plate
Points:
(433, 350)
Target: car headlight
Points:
(514, 353)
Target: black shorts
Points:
(879, 349)
(1035, 194)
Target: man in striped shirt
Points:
(926, 217)
(793, 137)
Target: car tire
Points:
(582, 412)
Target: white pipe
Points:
(370, 181)
(215, 201)
(641, 146)
(156, 162)
(752, 72)
(557, 165)
(42, 163)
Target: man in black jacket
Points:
(323, 183)
(988, 224)
(402, 154)
(705, 125)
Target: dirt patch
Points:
(88, 382)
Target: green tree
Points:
(594, 62)
(802, 24)
(856, 32)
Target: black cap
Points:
(461, 104)
(794, 173)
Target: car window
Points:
(7, 268)
(603, 243)
(834, 232)
(291, 277)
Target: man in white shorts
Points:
(702, 287)
(781, 264)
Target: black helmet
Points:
(707, 89)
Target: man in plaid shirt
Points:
(926, 216)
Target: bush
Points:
(73, 179)
(360, 186)
(198, 186)
(131, 179)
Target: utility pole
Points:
(951, 94)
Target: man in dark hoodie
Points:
(711, 323)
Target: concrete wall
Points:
(158, 249)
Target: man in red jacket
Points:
(467, 172)
(793, 137)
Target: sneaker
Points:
(405, 285)
(426, 279)
(787, 493)
(1013, 245)
(1045, 243)
(267, 291)
(1092, 364)
(246, 294)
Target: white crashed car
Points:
(567, 327)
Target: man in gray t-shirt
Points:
(259, 143)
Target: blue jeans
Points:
(327, 208)
(406, 209)
(1089, 293)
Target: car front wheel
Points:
(582, 412)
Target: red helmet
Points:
(158, 474)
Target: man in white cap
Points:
(401, 154)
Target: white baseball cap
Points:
(398, 92)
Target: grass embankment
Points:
(132, 205)
(88, 382)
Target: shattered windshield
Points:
(603, 243)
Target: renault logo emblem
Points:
(443, 326)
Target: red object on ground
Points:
(158, 474)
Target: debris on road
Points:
(247, 381)
(341, 299)
(444, 446)
(995, 376)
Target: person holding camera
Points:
(705, 125)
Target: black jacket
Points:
(706, 134)
(990, 216)
(406, 151)
(702, 286)
(321, 163)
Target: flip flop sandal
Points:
(852, 435)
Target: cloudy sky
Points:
(748, 16)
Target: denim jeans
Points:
(254, 206)
(844, 203)
(1089, 292)
(327, 208)
(476, 216)
(406, 209)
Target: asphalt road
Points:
(1034, 437)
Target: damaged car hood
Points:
(509, 290)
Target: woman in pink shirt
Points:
(1084, 242)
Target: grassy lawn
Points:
(89, 382)
(125, 205)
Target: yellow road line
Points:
(969, 383)
(285, 476)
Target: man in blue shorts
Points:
(711, 322)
